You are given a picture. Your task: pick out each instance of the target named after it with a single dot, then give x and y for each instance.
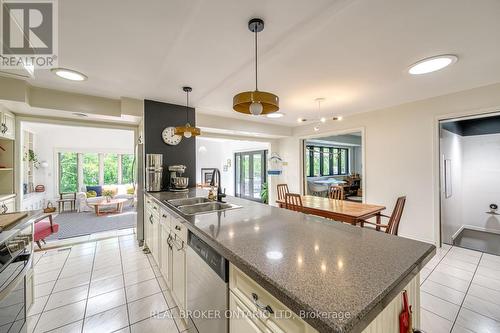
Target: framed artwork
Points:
(206, 175)
(448, 191)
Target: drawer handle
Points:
(151, 219)
(155, 208)
(265, 308)
(165, 216)
(177, 228)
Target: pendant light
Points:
(187, 131)
(255, 102)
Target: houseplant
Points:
(264, 193)
(108, 194)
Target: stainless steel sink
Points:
(188, 201)
(204, 208)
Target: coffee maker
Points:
(177, 182)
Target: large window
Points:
(68, 172)
(326, 161)
(82, 169)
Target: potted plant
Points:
(108, 194)
(264, 193)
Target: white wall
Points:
(451, 208)
(52, 138)
(401, 153)
(215, 154)
(481, 180)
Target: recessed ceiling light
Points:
(79, 114)
(275, 115)
(301, 120)
(432, 64)
(69, 74)
(316, 128)
(323, 120)
(337, 118)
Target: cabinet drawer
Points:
(165, 219)
(257, 298)
(152, 206)
(179, 229)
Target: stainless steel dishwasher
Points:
(207, 287)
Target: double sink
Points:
(200, 205)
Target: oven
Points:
(16, 251)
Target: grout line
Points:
(432, 270)
(466, 293)
(88, 290)
(123, 279)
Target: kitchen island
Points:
(336, 277)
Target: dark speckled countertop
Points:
(310, 263)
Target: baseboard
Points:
(418, 239)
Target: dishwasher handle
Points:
(266, 308)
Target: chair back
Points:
(282, 191)
(293, 201)
(395, 218)
(336, 192)
(67, 195)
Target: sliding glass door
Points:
(250, 174)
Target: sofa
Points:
(83, 200)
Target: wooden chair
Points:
(393, 225)
(336, 192)
(282, 191)
(68, 197)
(293, 201)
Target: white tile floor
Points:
(460, 292)
(107, 285)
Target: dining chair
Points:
(393, 225)
(318, 190)
(282, 191)
(293, 201)
(336, 192)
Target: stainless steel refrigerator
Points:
(140, 185)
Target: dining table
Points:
(338, 210)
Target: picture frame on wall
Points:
(206, 175)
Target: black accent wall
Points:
(158, 116)
(476, 126)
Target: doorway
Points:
(250, 174)
(469, 151)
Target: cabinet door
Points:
(179, 276)
(165, 254)
(7, 206)
(240, 322)
(156, 240)
(9, 126)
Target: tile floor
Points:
(110, 285)
(460, 292)
(107, 285)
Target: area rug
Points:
(86, 223)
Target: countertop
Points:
(17, 226)
(310, 263)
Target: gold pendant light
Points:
(187, 131)
(256, 102)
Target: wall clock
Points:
(169, 137)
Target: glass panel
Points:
(343, 161)
(257, 175)
(90, 169)
(245, 170)
(68, 172)
(110, 169)
(127, 170)
(316, 162)
(237, 175)
(335, 161)
(326, 161)
(308, 162)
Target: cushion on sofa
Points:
(97, 189)
(91, 194)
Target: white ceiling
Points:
(353, 53)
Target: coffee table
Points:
(118, 203)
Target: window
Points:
(110, 169)
(326, 161)
(91, 169)
(68, 171)
(127, 169)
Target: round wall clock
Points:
(169, 136)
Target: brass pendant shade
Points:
(187, 131)
(256, 102)
(269, 101)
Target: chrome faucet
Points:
(220, 194)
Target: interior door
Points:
(250, 174)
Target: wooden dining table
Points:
(338, 210)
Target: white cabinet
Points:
(165, 248)
(7, 125)
(179, 269)
(241, 323)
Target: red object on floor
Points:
(405, 315)
(44, 229)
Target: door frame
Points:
(437, 159)
(264, 167)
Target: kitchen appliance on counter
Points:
(154, 172)
(207, 285)
(16, 294)
(177, 182)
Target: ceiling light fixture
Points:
(69, 74)
(337, 118)
(187, 131)
(301, 120)
(432, 64)
(79, 114)
(256, 102)
(275, 115)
